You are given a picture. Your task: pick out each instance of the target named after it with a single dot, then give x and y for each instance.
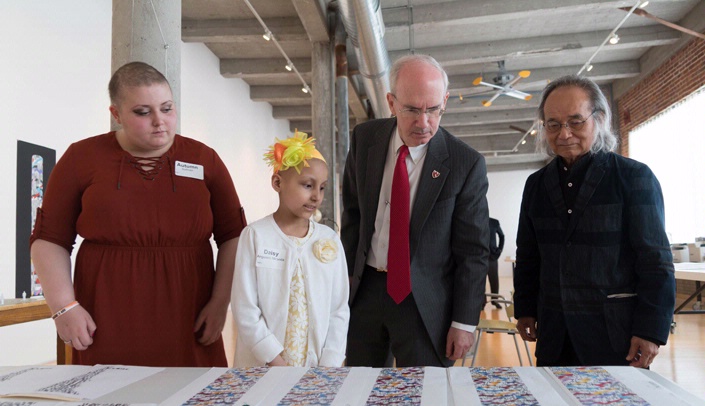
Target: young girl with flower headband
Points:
(290, 292)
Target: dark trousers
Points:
(381, 330)
(493, 275)
(568, 358)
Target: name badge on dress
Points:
(188, 170)
(270, 258)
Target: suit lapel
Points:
(555, 194)
(593, 177)
(374, 172)
(431, 181)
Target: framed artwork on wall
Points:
(34, 165)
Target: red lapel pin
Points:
(435, 174)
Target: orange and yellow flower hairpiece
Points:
(293, 152)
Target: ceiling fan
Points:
(503, 82)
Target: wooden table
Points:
(15, 311)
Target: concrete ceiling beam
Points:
(489, 117)
(486, 130)
(503, 142)
(489, 11)
(515, 159)
(312, 15)
(473, 103)
(355, 103)
(287, 29)
(549, 46)
(281, 94)
(292, 112)
(244, 68)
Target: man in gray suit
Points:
(417, 284)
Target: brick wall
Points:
(678, 77)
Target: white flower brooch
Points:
(325, 250)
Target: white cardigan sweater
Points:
(265, 263)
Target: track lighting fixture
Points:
(269, 36)
(614, 39)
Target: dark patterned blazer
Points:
(448, 233)
(601, 274)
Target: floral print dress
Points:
(296, 339)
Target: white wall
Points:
(504, 199)
(53, 91)
(219, 112)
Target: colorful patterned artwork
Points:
(317, 387)
(596, 386)
(401, 386)
(501, 386)
(229, 387)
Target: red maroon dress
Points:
(145, 268)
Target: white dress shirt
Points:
(377, 257)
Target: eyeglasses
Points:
(411, 112)
(553, 126)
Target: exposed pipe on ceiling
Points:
(365, 27)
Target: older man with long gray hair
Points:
(594, 281)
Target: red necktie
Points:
(398, 259)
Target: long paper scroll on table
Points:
(431, 386)
(351, 386)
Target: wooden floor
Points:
(682, 360)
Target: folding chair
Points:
(499, 326)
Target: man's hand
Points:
(642, 352)
(458, 343)
(527, 328)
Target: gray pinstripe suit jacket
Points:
(448, 227)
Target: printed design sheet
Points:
(501, 386)
(397, 387)
(319, 386)
(596, 386)
(519, 386)
(70, 382)
(229, 387)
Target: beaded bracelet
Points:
(65, 309)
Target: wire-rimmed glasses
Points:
(412, 112)
(553, 126)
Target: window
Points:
(672, 144)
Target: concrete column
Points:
(323, 123)
(149, 31)
(342, 116)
